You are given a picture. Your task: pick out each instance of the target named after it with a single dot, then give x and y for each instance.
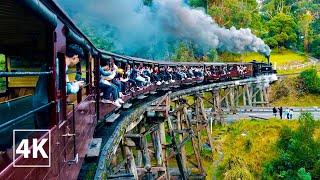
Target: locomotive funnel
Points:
(268, 58)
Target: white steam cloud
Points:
(153, 32)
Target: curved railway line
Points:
(115, 134)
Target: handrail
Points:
(18, 119)
(10, 100)
(73, 72)
(21, 74)
(74, 131)
(85, 85)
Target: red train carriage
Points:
(214, 72)
(33, 39)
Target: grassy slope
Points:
(284, 58)
(292, 97)
(281, 58)
(307, 100)
(262, 135)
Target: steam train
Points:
(34, 35)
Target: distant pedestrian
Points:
(287, 113)
(290, 113)
(280, 112)
(274, 110)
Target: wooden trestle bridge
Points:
(142, 142)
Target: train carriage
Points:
(34, 39)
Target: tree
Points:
(240, 14)
(305, 21)
(271, 8)
(183, 53)
(310, 80)
(199, 3)
(315, 46)
(282, 31)
(212, 55)
(315, 25)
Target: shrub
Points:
(310, 80)
(281, 90)
(236, 168)
(314, 47)
(303, 175)
(298, 153)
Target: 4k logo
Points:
(35, 152)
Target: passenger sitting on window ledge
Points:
(73, 53)
(108, 87)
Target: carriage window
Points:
(84, 77)
(78, 73)
(22, 64)
(3, 80)
(26, 104)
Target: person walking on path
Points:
(290, 113)
(287, 113)
(274, 110)
(280, 112)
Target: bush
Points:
(298, 153)
(303, 175)
(310, 80)
(280, 90)
(236, 168)
(300, 87)
(315, 46)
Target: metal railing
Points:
(20, 118)
(22, 74)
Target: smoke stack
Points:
(268, 58)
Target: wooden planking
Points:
(112, 118)
(94, 147)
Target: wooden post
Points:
(194, 143)
(198, 121)
(244, 96)
(180, 136)
(207, 125)
(157, 147)
(177, 151)
(238, 94)
(249, 94)
(139, 159)
(217, 107)
(145, 154)
(130, 162)
(226, 99)
(261, 94)
(266, 96)
(254, 95)
(233, 106)
(163, 141)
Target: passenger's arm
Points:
(103, 72)
(111, 76)
(73, 88)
